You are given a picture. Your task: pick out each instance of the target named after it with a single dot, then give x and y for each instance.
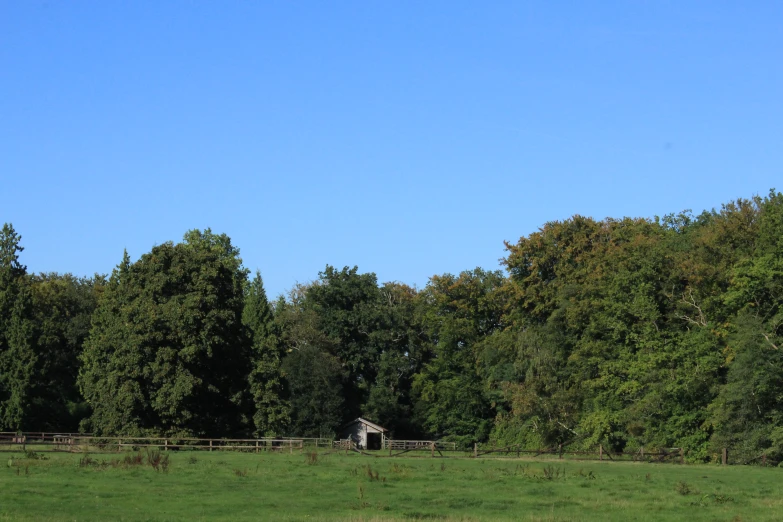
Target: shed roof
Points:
(364, 421)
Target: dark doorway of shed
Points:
(373, 441)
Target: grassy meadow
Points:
(247, 486)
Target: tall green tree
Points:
(17, 351)
(747, 414)
(459, 311)
(349, 309)
(614, 345)
(63, 306)
(369, 331)
(271, 416)
(403, 352)
(168, 352)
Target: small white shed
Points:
(366, 434)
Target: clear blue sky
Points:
(408, 138)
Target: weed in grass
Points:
(443, 466)
(553, 472)
(135, 459)
(240, 472)
(159, 461)
(400, 469)
(362, 504)
(374, 475)
(192, 460)
(589, 475)
(311, 458)
(156, 460)
(709, 499)
(683, 488)
(35, 456)
(87, 461)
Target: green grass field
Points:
(237, 486)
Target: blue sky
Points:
(408, 138)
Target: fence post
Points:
(682, 455)
(432, 449)
(600, 452)
(724, 458)
(475, 450)
(764, 460)
(165, 444)
(257, 446)
(210, 444)
(388, 443)
(642, 452)
(560, 451)
(119, 445)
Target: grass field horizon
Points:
(304, 486)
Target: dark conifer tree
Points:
(17, 351)
(271, 416)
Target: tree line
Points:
(628, 332)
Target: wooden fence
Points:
(343, 444)
(81, 442)
(391, 444)
(75, 442)
(14, 441)
(744, 457)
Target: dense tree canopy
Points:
(168, 351)
(622, 332)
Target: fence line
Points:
(71, 442)
(392, 444)
(79, 442)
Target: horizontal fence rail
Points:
(418, 444)
(85, 442)
(344, 444)
(73, 442)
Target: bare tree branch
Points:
(769, 341)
